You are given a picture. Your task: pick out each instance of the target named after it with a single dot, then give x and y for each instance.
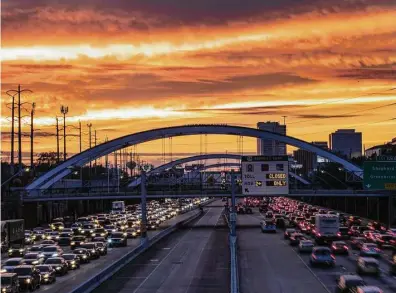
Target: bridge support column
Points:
(50, 212)
(233, 213)
(143, 223)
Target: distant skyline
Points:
(128, 66)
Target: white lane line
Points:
(312, 272)
(166, 256)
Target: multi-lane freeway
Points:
(195, 259)
(269, 264)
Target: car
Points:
(83, 254)
(87, 230)
(57, 226)
(29, 238)
(117, 239)
(76, 227)
(16, 251)
(110, 228)
(59, 264)
(11, 263)
(33, 258)
(349, 283)
(53, 236)
(28, 277)
(339, 247)
(131, 233)
(9, 283)
(68, 230)
(36, 248)
(384, 241)
(295, 238)
(268, 226)
(99, 232)
(39, 233)
(48, 243)
(93, 249)
(52, 251)
(370, 249)
(101, 246)
(368, 289)
(368, 265)
(305, 246)
(64, 239)
(77, 241)
(345, 233)
(288, 232)
(48, 274)
(73, 260)
(322, 256)
(357, 242)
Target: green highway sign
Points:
(379, 175)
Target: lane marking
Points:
(166, 257)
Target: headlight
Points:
(82, 242)
(73, 262)
(93, 250)
(79, 228)
(57, 237)
(133, 233)
(125, 234)
(84, 256)
(46, 276)
(20, 250)
(72, 243)
(28, 239)
(9, 250)
(3, 290)
(109, 240)
(55, 254)
(102, 234)
(48, 237)
(58, 268)
(35, 262)
(82, 231)
(93, 235)
(90, 231)
(114, 230)
(61, 228)
(28, 280)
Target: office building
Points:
(307, 159)
(388, 148)
(269, 147)
(346, 142)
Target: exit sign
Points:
(379, 175)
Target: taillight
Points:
(338, 234)
(314, 256)
(333, 247)
(332, 256)
(346, 247)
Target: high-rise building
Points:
(307, 159)
(270, 147)
(348, 142)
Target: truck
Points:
(327, 228)
(117, 207)
(12, 232)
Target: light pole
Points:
(89, 125)
(64, 110)
(12, 129)
(31, 134)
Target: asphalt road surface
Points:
(188, 261)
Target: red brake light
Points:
(346, 247)
(314, 256)
(332, 256)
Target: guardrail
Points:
(234, 280)
(110, 270)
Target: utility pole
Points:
(284, 120)
(79, 135)
(95, 145)
(57, 140)
(12, 128)
(90, 146)
(64, 110)
(31, 134)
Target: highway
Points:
(188, 261)
(269, 264)
(74, 278)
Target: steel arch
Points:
(171, 164)
(49, 178)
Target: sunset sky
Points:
(131, 65)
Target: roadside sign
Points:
(379, 175)
(265, 175)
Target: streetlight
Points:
(64, 110)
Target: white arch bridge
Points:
(79, 160)
(171, 164)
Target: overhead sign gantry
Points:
(265, 175)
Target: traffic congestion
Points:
(345, 253)
(50, 253)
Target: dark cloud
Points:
(383, 74)
(320, 116)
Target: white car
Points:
(305, 246)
